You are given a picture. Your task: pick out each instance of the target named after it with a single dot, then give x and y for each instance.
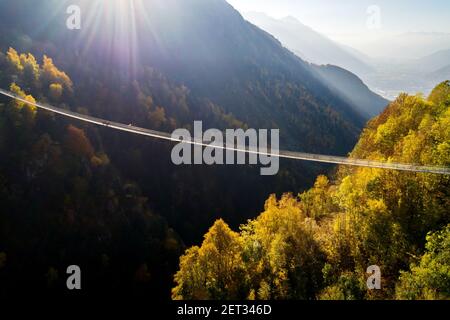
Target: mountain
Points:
(307, 43)
(115, 202)
(207, 46)
(412, 76)
(162, 65)
(435, 61)
(443, 73)
(401, 47)
(353, 89)
(318, 49)
(369, 61)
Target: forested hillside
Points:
(204, 45)
(63, 202)
(318, 244)
(185, 60)
(365, 102)
(115, 204)
(111, 202)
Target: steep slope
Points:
(163, 64)
(318, 49)
(63, 201)
(307, 43)
(207, 46)
(353, 89)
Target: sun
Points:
(121, 7)
(111, 25)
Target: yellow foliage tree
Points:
(320, 244)
(56, 91)
(51, 74)
(213, 271)
(21, 112)
(23, 65)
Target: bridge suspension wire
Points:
(280, 154)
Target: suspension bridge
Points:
(281, 153)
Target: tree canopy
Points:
(318, 245)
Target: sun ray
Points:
(111, 29)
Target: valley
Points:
(160, 219)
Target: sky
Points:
(362, 23)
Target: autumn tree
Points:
(53, 178)
(51, 74)
(283, 259)
(21, 113)
(430, 277)
(23, 66)
(56, 91)
(214, 270)
(318, 245)
(78, 143)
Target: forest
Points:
(100, 199)
(318, 244)
(136, 224)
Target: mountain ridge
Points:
(307, 43)
(208, 47)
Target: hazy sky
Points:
(333, 16)
(346, 20)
